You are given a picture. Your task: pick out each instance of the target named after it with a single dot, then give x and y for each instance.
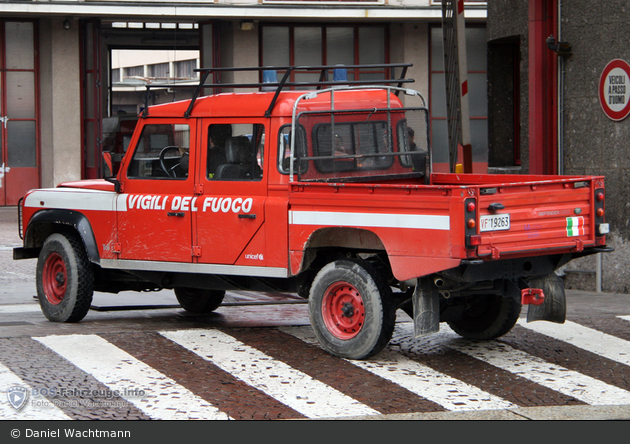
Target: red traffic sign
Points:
(614, 90)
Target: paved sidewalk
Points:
(17, 278)
(17, 286)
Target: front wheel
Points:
(196, 300)
(350, 308)
(487, 317)
(64, 279)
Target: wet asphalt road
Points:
(255, 358)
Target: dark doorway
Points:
(504, 60)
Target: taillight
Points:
(470, 220)
(601, 228)
(475, 240)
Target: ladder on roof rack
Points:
(284, 82)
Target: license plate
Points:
(494, 222)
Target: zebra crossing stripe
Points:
(601, 344)
(20, 308)
(301, 392)
(625, 318)
(449, 392)
(560, 379)
(36, 408)
(118, 370)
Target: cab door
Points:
(230, 216)
(154, 211)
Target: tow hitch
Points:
(533, 296)
(546, 299)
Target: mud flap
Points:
(554, 307)
(426, 310)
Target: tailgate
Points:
(547, 215)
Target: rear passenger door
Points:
(230, 201)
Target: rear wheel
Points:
(64, 279)
(487, 317)
(197, 300)
(350, 307)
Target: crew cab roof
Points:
(256, 104)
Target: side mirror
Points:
(108, 171)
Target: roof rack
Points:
(284, 82)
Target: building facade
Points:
(61, 81)
(544, 103)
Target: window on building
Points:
(115, 75)
(314, 45)
(158, 70)
(185, 69)
(134, 71)
(477, 90)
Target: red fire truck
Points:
(328, 192)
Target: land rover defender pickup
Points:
(331, 192)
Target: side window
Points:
(407, 142)
(284, 149)
(162, 152)
(235, 151)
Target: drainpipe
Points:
(560, 97)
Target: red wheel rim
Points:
(343, 310)
(54, 278)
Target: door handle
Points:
(178, 213)
(247, 216)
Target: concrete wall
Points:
(60, 97)
(593, 144)
(409, 43)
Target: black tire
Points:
(554, 307)
(487, 317)
(351, 286)
(64, 279)
(196, 300)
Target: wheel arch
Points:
(339, 239)
(46, 222)
(331, 243)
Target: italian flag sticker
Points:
(575, 226)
